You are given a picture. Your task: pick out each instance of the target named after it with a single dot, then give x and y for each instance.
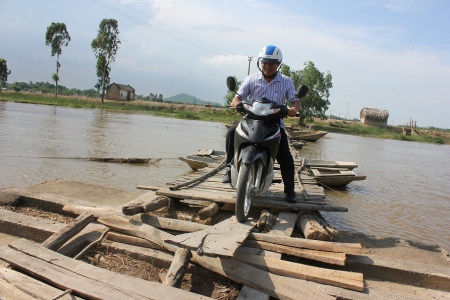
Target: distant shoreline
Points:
(222, 115)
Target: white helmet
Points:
(270, 54)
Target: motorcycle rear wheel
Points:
(244, 194)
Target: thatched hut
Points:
(374, 116)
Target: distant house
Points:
(122, 92)
(374, 116)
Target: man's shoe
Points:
(227, 177)
(291, 197)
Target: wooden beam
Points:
(95, 211)
(143, 207)
(59, 238)
(175, 274)
(131, 240)
(209, 211)
(311, 227)
(168, 223)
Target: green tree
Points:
(4, 72)
(316, 102)
(230, 94)
(56, 37)
(105, 47)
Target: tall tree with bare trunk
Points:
(105, 47)
(56, 37)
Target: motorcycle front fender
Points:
(251, 154)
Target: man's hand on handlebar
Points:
(235, 101)
(292, 112)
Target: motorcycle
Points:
(255, 148)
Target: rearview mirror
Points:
(302, 90)
(231, 83)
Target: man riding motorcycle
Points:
(277, 87)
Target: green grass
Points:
(171, 110)
(390, 132)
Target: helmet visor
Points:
(268, 60)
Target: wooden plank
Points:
(81, 277)
(141, 230)
(349, 280)
(70, 230)
(29, 287)
(8, 291)
(350, 248)
(284, 226)
(330, 164)
(334, 258)
(329, 169)
(258, 202)
(276, 286)
(170, 224)
(221, 239)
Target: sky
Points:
(386, 54)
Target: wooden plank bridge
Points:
(205, 185)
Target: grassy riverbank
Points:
(423, 135)
(191, 112)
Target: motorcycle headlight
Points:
(261, 109)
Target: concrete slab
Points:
(89, 193)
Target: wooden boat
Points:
(197, 162)
(334, 176)
(310, 136)
(317, 163)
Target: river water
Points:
(406, 193)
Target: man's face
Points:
(269, 69)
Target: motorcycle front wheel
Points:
(244, 191)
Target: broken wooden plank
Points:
(221, 239)
(58, 239)
(86, 280)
